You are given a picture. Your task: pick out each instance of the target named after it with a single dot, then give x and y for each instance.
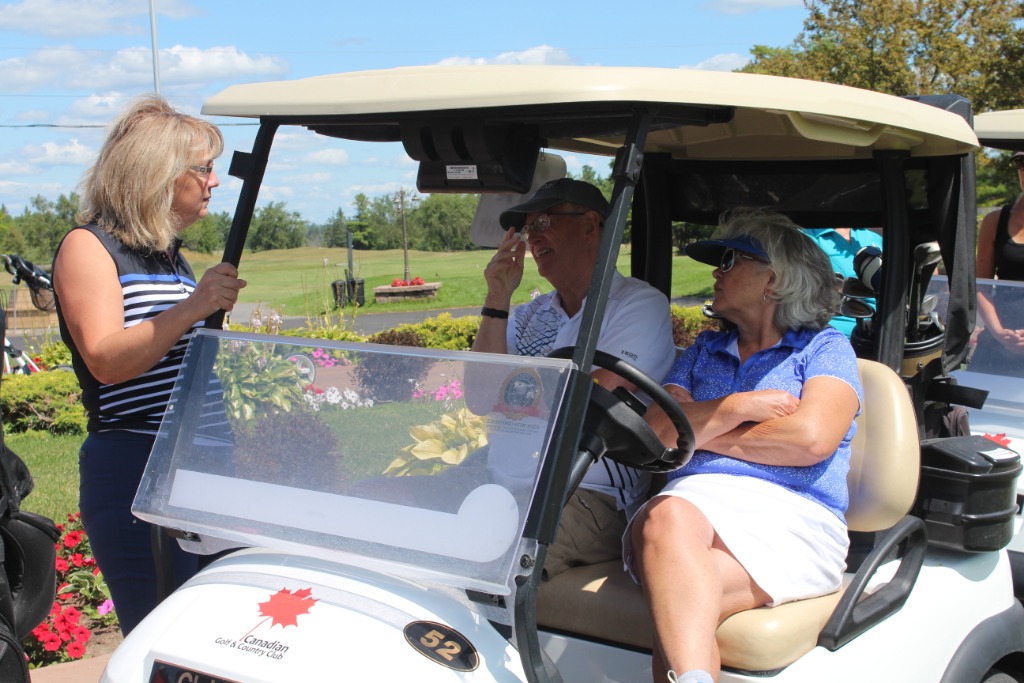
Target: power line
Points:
(96, 125)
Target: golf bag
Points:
(27, 562)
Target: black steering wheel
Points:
(614, 426)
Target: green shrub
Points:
(446, 332)
(391, 378)
(44, 401)
(55, 353)
(265, 450)
(688, 322)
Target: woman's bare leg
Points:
(691, 581)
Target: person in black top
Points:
(127, 303)
(1000, 348)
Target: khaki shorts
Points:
(590, 532)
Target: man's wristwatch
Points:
(494, 313)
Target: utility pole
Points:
(156, 51)
(400, 198)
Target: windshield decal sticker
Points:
(442, 644)
(521, 393)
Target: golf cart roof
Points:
(697, 114)
(1001, 129)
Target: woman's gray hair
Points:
(130, 189)
(805, 288)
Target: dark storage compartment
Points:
(967, 495)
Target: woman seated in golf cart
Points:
(757, 516)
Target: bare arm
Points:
(985, 267)
(503, 275)
(92, 305)
(768, 426)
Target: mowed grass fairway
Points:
(300, 279)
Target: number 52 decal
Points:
(442, 644)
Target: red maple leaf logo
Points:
(1000, 439)
(284, 607)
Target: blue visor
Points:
(710, 251)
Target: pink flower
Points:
(105, 606)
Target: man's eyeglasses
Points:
(543, 221)
(203, 170)
(729, 259)
(1018, 162)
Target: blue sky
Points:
(68, 66)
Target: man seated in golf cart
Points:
(561, 224)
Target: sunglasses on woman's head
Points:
(729, 259)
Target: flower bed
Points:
(391, 293)
(83, 601)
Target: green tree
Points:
(336, 230)
(274, 227)
(374, 224)
(11, 240)
(209, 234)
(909, 47)
(442, 222)
(44, 225)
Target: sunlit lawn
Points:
(300, 279)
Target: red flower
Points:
(51, 643)
(62, 565)
(72, 614)
(72, 538)
(76, 650)
(77, 559)
(81, 634)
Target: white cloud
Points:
(275, 193)
(542, 54)
(33, 115)
(738, 7)
(332, 157)
(15, 168)
(131, 69)
(97, 108)
(94, 18)
(72, 153)
(729, 61)
(13, 194)
(315, 178)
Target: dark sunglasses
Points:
(1018, 162)
(729, 259)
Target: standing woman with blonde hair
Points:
(127, 303)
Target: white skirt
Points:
(791, 546)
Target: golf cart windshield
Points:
(414, 462)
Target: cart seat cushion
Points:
(602, 602)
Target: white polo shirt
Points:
(637, 327)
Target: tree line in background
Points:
(973, 48)
(437, 222)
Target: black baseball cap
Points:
(553, 193)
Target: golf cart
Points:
(350, 558)
(1001, 417)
